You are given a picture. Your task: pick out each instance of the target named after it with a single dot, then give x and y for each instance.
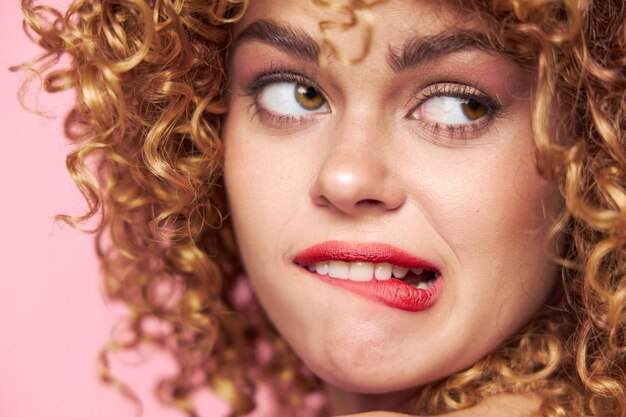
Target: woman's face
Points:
(342, 177)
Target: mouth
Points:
(365, 271)
(377, 271)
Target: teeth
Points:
(338, 269)
(424, 285)
(382, 271)
(400, 272)
(361, 271)
(321, 268)
(366, 271)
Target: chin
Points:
(366, 379)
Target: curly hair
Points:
(150, 81)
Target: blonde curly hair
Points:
(150, 81)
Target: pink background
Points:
(53, 319)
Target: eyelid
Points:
(281, 75)
(455, 89)
(461, 91)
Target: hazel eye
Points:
(308, 97)
(292, 98)
(450, 110)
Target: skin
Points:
(370, 166)
(515, 406)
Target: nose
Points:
(356, 178)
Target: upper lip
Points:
(361, 252)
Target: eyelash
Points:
(277, 75)
(459, 91)
(439, 89)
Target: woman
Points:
(427, 197)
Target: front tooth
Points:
(361, 271)
(382, 271)
(338, 269)
(400, 272)
(417, 271)
(321, 268)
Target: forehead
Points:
(407, 32)
(392, 20)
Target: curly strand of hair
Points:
(142, 162)
(594, 192)
(351, 14)
(579, 375)
(150, 94)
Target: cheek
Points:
(488, 201)
(258, 181)
(261, 209)
(491, 211)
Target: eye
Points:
(454, 110)
(291, 98)
(449, 110)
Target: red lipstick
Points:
(394, 292)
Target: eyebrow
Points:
(289, 39)
(419, 50)
(416, 51)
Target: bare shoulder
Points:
(513, 405)
(378, 414)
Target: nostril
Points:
(323, 201)
(368, 202)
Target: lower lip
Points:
(392, 292)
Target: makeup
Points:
(377, 271)
(390, 218)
